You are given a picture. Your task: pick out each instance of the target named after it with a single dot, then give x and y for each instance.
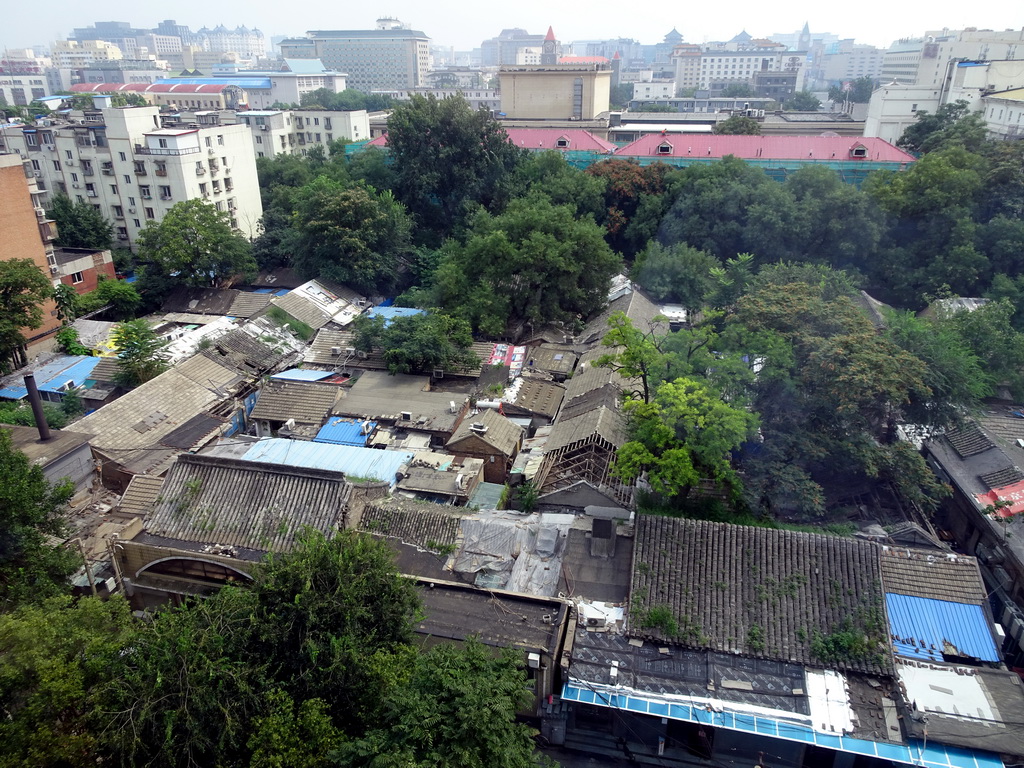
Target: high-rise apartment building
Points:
(390, 56)
(133, 170)
(927, 60)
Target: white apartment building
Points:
(1004, 113)
(926, 60)
(21, 90)
(295, 132)
(133, 170)
(71, 54)
(855, 62)
(478, 98)
(659, 90)
(893, 106)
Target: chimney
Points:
(37, 407)
(602, 538)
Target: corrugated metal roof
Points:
(53, 375)
(344, 431)
(301, 374)
(353, 461)
(923, 628)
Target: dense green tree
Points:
(31, 511)
(140, 353)
(122, 298)
(636, 354)
(627, 185)
(988, 331)
(424, 723)
(55, 658)
(79, 225)
(737, 125)
(953, 373)
(195, 243)
(23, 289)
(351, 235)
(347, 101)
(859, 92)
(535, 263)
(620, 96)
(445, 156)
(66, 299)
(686, 433)
(952, 125)
(551, 174)
(677, 274)
(419, 343)
(371, 166)
(802, 101)
(294, 735)
(737, 91)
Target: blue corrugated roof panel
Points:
(345, 431)
(260, 83)
(301, 374)
(353, 461)
(923, 629)
(390, 313)
(52, 376)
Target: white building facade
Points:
(133, 170)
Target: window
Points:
(56, 165)
(165, 193)
(31, 140)
(113, 189)
(68, 155)
(202, 189)
(220, 139)
(127, 179)
(131, 202)
(118, 212)
(137, 223)
(77, 278)
(150, 213)
(146, 194)
(259, 140)
(90, 190)
(124, 157)
(162, 143)
(216, 186)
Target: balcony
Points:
(165, 197)
(161, 171)
(200, 171)
(141, 150)
(88, 171)
(48, 231)
(108, 171)
(140, 172)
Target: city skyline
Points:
(447, 22)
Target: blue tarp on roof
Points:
(301, 374)
(390, 313)
(353, 461)
(923, 628)
(345, 431)
(53, 376)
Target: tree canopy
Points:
(23, 289)
(418, 343)
(140, 353)
(79, 225)
(445, 156)
(737, 125)
(196, 244)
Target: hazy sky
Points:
(464, 25)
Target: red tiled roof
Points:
(582, 60)
(766, 147)
(548, 138)
(147, 88)
(542, 138)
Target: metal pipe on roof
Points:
(37, 407)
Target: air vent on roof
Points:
(335, 351)
(406, 416)
(477, 427)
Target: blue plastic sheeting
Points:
(922, 628)
(914, 752)
(357, 462)
(345, 431)
(51, 377)
(390, 313)
(301, 374)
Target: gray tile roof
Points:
(556, 358)
(106, 370)
(319, 353)
(378, 395)
(306, 402)
(202, 301)
(302, 310)
(212, 500)
(609, 396)
(141, 495)
(245, 352)
(932, 575)
(502, 435)
(637, 307)
(757, 592)
(601, 423)
(195, 432)
(148, 413)
(539, 397)
(247, 304)
(420, 524)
